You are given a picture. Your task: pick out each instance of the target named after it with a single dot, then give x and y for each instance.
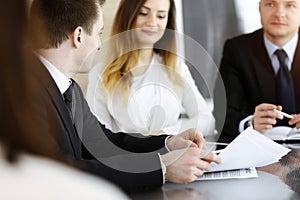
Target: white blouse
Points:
(36, 178)
(155, 103)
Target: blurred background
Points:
(209, 22)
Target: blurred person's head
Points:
(19, 132)
(280, 19)
(69, 29)
(148, 25)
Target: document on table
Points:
(230, 174)
(249, 150)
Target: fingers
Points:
(265, 117)
(187, 139)
(295, 120)
(279, 108)
(184, 166)
(262, 127)
(204, 165)
(190, 144)
(198, 172)
(267, 111)
(199, 140)
(266, 106)
(195, 136)
(197, 169)
(211, 157)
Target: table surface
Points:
(279, 181)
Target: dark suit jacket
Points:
(130, 162)
(249, 80)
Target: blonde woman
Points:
(143, 87)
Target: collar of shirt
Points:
(289, 48)
(60, 79)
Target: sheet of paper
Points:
(282, 133)
(230, 174)
(250, 149)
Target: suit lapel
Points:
(263, 69)
(56, 98)
(78, 112)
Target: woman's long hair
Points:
(19, 132)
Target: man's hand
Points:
(265, 117)
(188, 138)
(295, 120)
(185, 165)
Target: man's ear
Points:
(77, 37)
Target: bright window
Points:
(248, 15)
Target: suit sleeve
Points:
(128, 181)
(230, 113)
(95, 132)
(129, 161)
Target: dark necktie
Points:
(68, 95)
(284, 84)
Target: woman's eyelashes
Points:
(160, 16)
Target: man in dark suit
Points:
(251, 68)
(65, 38)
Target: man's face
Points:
(280, 19)
(91, 45)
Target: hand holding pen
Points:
(266, 115)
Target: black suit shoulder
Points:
(245, 42)
(247, 37)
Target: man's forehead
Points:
(284, 1)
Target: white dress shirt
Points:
(60, 79)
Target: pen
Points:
(284, 114)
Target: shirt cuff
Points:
(166, 143)
(245, 123)
(163, 168)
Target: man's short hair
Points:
(52, 21)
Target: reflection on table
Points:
(288, 169)
(276, 181)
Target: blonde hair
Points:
(116, 76)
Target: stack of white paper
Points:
(250, 149)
